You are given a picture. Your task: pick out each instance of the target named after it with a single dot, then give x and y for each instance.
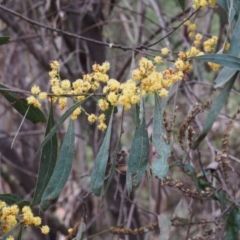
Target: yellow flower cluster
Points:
(11, 215)
(37, 95)
(191, 28)
(203, 3)
(193, 51)
(210, 44)
(197, 40)
(145, 79)
(93, 118)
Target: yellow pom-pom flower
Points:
(35, 90)
(165, 51)
(92, 118)
(42, 95)
(45, 229)
(163, 93)
(65, 84)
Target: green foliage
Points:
(232, 225)
(227, 73)
(48, 161)
(159, 138)
(35, 115)
(214, 111)
(10, 199)
(138, 158)
(99, 169)
(182, 4)
(61, 171)
(222, 59)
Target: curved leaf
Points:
(214, 111)
(62, 169)
(138, 158)
(223, 4)
(99, 169)
(35, 115)
(227, 73)
(47, 162)
(222, 59)
(224, 76)
(160, 165)
(10, 199)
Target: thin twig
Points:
(110, 45)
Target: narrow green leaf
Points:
(47, 162)
(182, 4)
(20, 233)
(4, 40)
(223, 4)
(214, 111)
(114, 162)
(81, 231)
(227, 73)
(164, 224)
(160, 165)
(231, 12)
(60, 122)
(232, 225)
(10, 199)
(35, 115)
(9, 233)
(99, 169)
(224, 76)
(138, 158)
(234, 49)
(61, 170)
(135, 113)
(222, 59)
